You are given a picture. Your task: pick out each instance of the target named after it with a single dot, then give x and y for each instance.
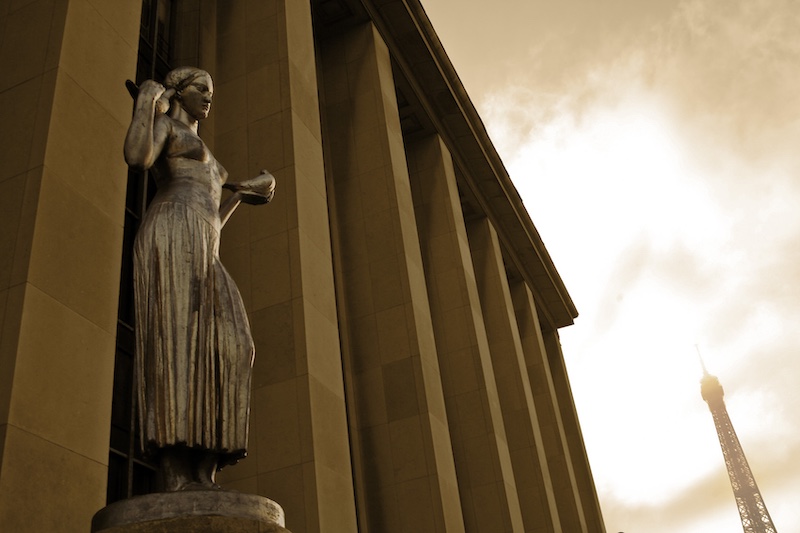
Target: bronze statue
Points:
(194, 351)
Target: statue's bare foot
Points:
(174, 470)
(206, 471)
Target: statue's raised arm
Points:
(146, 135)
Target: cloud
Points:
(732, 67)
(680, 271)
(708, 504)
(705, 499)
(728, 69)
(628, 270)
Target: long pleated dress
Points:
(194, 347)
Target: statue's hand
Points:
(264, 184)
(258, 190)
(151, 90)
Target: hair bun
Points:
(181, 77)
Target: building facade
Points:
(408, 374)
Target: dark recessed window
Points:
(129, 472)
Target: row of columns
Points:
(401, 383)
(454, 420)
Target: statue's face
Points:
(196, 98)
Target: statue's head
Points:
(193, 90)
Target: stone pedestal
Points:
(191, 511)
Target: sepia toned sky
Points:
(656, 145)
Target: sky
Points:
(656, 146)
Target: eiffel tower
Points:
(752, 509)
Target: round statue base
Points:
(211, 511)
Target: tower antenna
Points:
(702, 363)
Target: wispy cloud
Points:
(729, 69)
(706, 504)
(731, 66)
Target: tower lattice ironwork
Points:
(752, 509)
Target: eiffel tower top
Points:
(710, 388)
(752, 509)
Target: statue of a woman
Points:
(194, 351)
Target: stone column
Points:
(547, 400)
(267, 116)
(533, 477)
(589, 506)
(483, 464)
(405, 474)
(63, 116)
